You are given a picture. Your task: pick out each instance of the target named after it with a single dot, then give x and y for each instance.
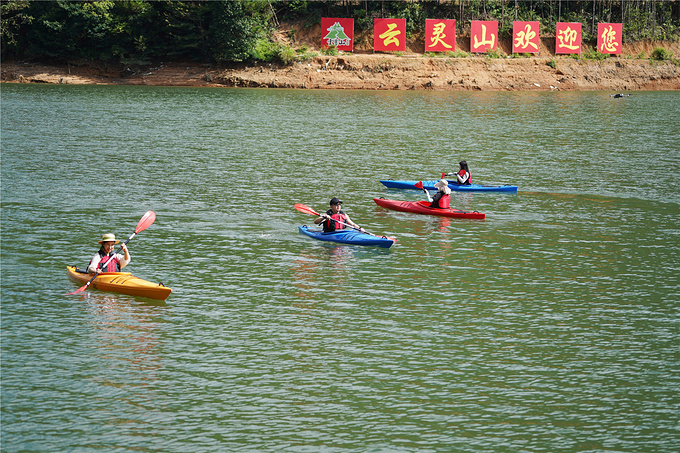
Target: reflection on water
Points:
(548, 326)
(126, 341)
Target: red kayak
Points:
(422, 207)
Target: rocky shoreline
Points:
(376, 72)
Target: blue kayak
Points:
(429, 185)
(348, 236)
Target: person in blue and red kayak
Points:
(335, 219)
(441, 199)
(116, 263)
(463, 177)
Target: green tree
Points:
(15, 17)
(236, 26)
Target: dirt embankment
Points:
(365, 70)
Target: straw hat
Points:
(443, 186)
(108, 237)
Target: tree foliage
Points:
(239, 30)
(132, 30)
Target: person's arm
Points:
(351, 223)
(125, 258)
(463, 179)
(429, 198)
(94, 264)
(320, 219)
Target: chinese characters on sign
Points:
(338, 33)
(609, 38)
(525, 37)
(389, 34)
(568, 38)
(483, 35)
(440, 35)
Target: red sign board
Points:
(337, 32)
(440, 35)
(483, 35)
(389, 34)
(609, 38)
(568, 38)
(525, 37)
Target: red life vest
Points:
(113, 265)
(333, 225)
(465, 176)
(441, 202)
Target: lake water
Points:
(551, 326)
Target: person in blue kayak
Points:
(116, 263)
(335, 219)
(441, 199)
(463, 177)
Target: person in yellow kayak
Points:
(117, 262)
(335, 219)
(442, 198)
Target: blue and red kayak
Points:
(429, 185)
(423, 207)
(348, 236)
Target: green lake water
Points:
(550, 326)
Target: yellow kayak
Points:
(120, 282)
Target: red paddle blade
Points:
(419, 185)
(306, 209)
(146, 221)
(443, 174)
(79, 290)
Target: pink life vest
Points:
(113, 265)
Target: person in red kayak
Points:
(441, 199)
(335, 219)
(116, 263)
(463, 177)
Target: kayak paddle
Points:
(144, 223)
(419, 185)
(307, 210)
